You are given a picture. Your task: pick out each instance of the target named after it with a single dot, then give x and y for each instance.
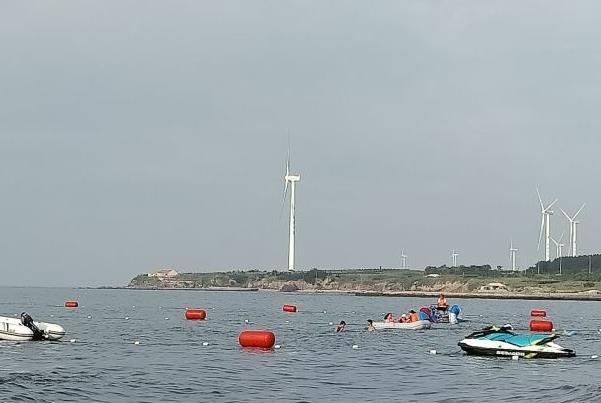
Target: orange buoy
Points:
(538, 312)
(257, 338)
(195, 314)
(71, 304)
(541, 325)
(289, 308)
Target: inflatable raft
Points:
(26, 329)
(420, 324)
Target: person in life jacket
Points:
(442, 303)
(413, 316)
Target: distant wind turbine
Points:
(512, 252)
(573, 224)
(292, 179)
(545, 224)
(558, 246)
(454, 256)
(404, 259)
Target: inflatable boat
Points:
(420, 324)
(25, 329)
(501, 342)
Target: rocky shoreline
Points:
(584, 296)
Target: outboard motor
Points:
(27, 321)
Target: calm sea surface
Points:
(170, 363)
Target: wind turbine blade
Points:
(561, 237)
(288, 164)
(283, 198)
(540, 235)
(551, 205)
(566, 214)
(542, 206)
(578, 212)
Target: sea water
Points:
(134, 345)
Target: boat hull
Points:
(12, 329)
(496, 349)
(417, 325)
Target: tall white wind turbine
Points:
(512, 252)
(573, 224)
(292, 179)
(404, 259)
(545, 224)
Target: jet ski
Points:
(502, 342)
(438, 315)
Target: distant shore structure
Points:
(163, 273)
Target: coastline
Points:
(477, 295)
(583, 296)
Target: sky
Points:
(137, 135)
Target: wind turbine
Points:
(404, 259)
(545, 223)
(512, 252)
(292, 179)
(454, 256)
(573, 224)
(558, 246)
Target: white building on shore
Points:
(163, 273)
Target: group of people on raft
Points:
(409, 317)
(412, 316)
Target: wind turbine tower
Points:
(404, 259)
(545, 224)
(512, 252)
(573, 224)
(454, 256)
(292, 179)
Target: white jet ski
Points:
(501, 342)
(25, 329)
(417, 325)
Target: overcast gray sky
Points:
(142, 134)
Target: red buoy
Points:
(541, 325)
(71, 304)
(195, 314)
(538, 312)
(257, 338)
(289, 308)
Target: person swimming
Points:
(341, 326)
(370, 326)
